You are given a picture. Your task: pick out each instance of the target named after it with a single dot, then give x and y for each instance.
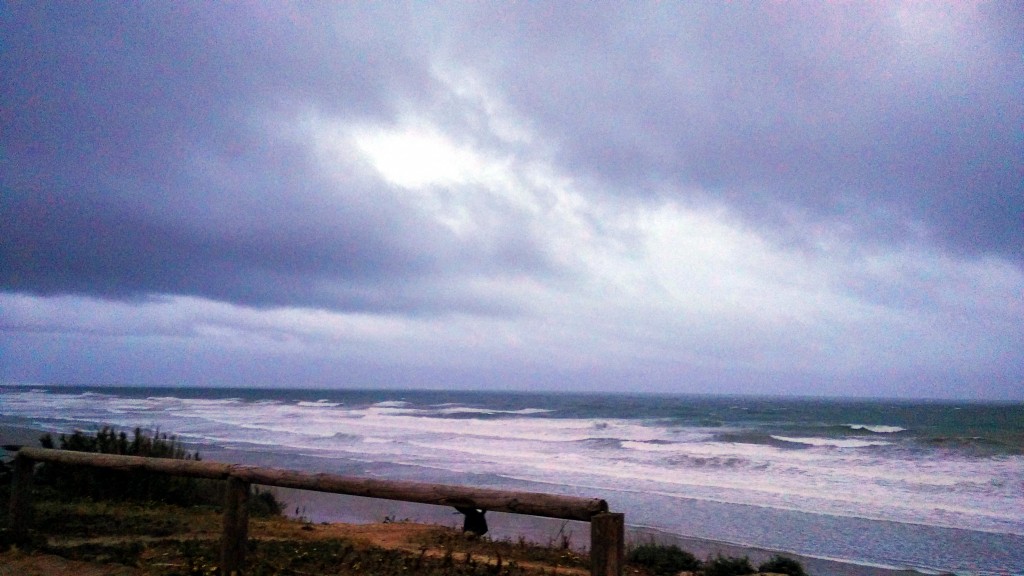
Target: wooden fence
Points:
(606, 528)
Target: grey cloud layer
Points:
(910, 126)
(135, 163)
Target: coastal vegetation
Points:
(663, 560)
(727, 566)
(81, 482)
(782, 565)
(78, 482)
(669, 560)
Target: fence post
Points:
(21, 497)
(606, 544)
(236, 527)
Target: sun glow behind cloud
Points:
(418, 157)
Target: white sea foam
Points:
(483, 411)
(604, 454)
(833, 442)
(464, 410)
(372, 440)
(877, 428)
(528, 411)
(652, 447)
(318, 404)
(210, 401)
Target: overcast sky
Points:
(799, 198)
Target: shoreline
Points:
(318, 507)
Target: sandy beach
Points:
(319, 507)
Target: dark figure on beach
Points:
(475, 522)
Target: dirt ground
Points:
(403, 536)
(16, 563)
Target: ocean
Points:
(936, 487)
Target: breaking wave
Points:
(877, 429)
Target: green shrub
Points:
(105, 484)
(728, 566)
(263, 503)
(663, 560)
(782, 565)
(109, 441)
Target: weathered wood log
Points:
(531, 503)
(174, 467)
(606, 529)
(606, 544)
(235, 527)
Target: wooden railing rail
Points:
(606, 533)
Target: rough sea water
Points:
(931, 486)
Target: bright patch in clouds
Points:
(418, 157)
(463, 188)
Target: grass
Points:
(782, 565)
(172, 540)
(727, 566)
(169, 540)
(556, 554)
(663, 560)
(666, 560)
(78, 482)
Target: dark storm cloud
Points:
(264, 237)
(135, 163)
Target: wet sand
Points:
(319, 507)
